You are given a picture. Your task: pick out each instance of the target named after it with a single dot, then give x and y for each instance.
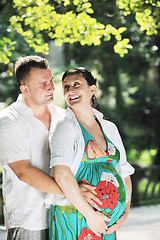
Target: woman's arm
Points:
(68, 184)
(125, 214)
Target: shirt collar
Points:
(23, 106)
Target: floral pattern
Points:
(108, 194)
(88, 235)
(109, 177)
(111, 149)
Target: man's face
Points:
(39, 87)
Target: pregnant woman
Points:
(86, 148)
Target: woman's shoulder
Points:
(101, 118)
(65, 122)
(110, 124)
(65, 126)
(63, 132)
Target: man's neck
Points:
(40, 112)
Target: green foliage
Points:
(147, 13)
(6, 49)
(69, 21)
(142, 158)
(63, 21)
(122, 47)
(10, 49)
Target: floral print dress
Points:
(97, 168)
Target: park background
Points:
(119, 42)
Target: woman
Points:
(87, 148)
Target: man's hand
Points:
(89, 194)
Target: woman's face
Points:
(77, 92)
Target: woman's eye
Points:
(76, 84)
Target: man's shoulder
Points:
(55, 109)
(9, 114)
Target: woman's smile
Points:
(74, 98)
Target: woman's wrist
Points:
(89, 213)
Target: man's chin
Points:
(50, 101)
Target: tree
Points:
(8, 88)
(147, 13)
(72, 21)
(64, 21)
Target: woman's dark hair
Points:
(91, 80)
(24, 65)
(87, 75)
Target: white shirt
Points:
(22, 136)
(67, 148)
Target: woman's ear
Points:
(24, 89)
(93, 89)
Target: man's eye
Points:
(76, 84)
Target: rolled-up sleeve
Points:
(13, 144)
(62, 144)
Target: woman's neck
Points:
(85, 117)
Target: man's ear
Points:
(24, 89)
(93, 89)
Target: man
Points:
(24, 151)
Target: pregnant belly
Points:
(110, 190)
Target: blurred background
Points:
(119, 42)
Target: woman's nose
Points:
(71, 89)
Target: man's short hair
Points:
(24, 65)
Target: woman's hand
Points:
(125, 214)
(97, 223)
(118, 223)
(89, 194)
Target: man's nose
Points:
(51, 86)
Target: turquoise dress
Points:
(97, 168)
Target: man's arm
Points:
(34, 177)
(43, 182)
(125, 214)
